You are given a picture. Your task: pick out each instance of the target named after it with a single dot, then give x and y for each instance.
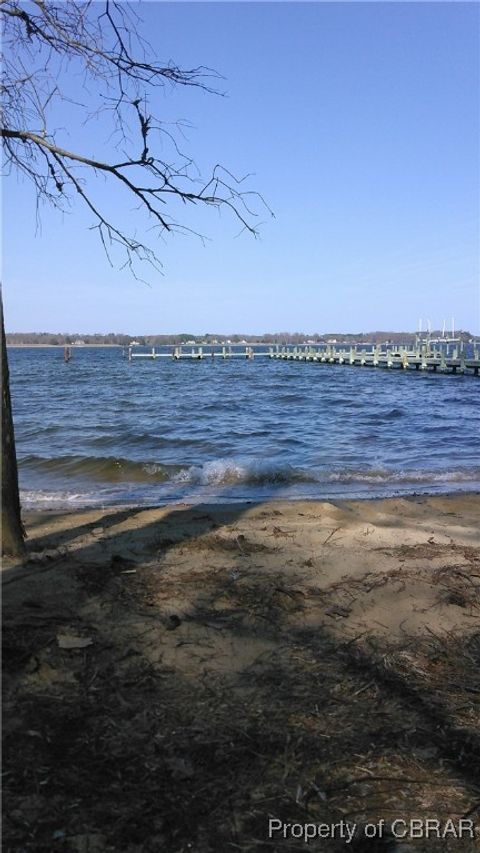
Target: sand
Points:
(174, 677)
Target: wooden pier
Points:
(423, 357)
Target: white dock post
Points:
(129, 353)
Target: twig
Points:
(331, 534)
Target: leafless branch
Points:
(40, 42)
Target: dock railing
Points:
(422, 356)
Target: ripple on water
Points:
(109, 430)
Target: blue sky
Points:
(361, 124)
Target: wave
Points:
(99, 468)
(413, 476)
(146, 439)
(392, 414)
(229, 472)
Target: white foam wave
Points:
(414, 476)
(227, 472)
(234, 479)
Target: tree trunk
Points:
(12, 527)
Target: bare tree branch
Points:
(40, 41)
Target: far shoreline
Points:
(62, 346)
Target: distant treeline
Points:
(113, 339)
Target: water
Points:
(102, 431)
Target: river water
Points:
(103, 431)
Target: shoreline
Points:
(206, 500)
(62, 346)
(344, 536)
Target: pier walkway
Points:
(442, 359)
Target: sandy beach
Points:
(177, 677)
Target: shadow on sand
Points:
(205, 689)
